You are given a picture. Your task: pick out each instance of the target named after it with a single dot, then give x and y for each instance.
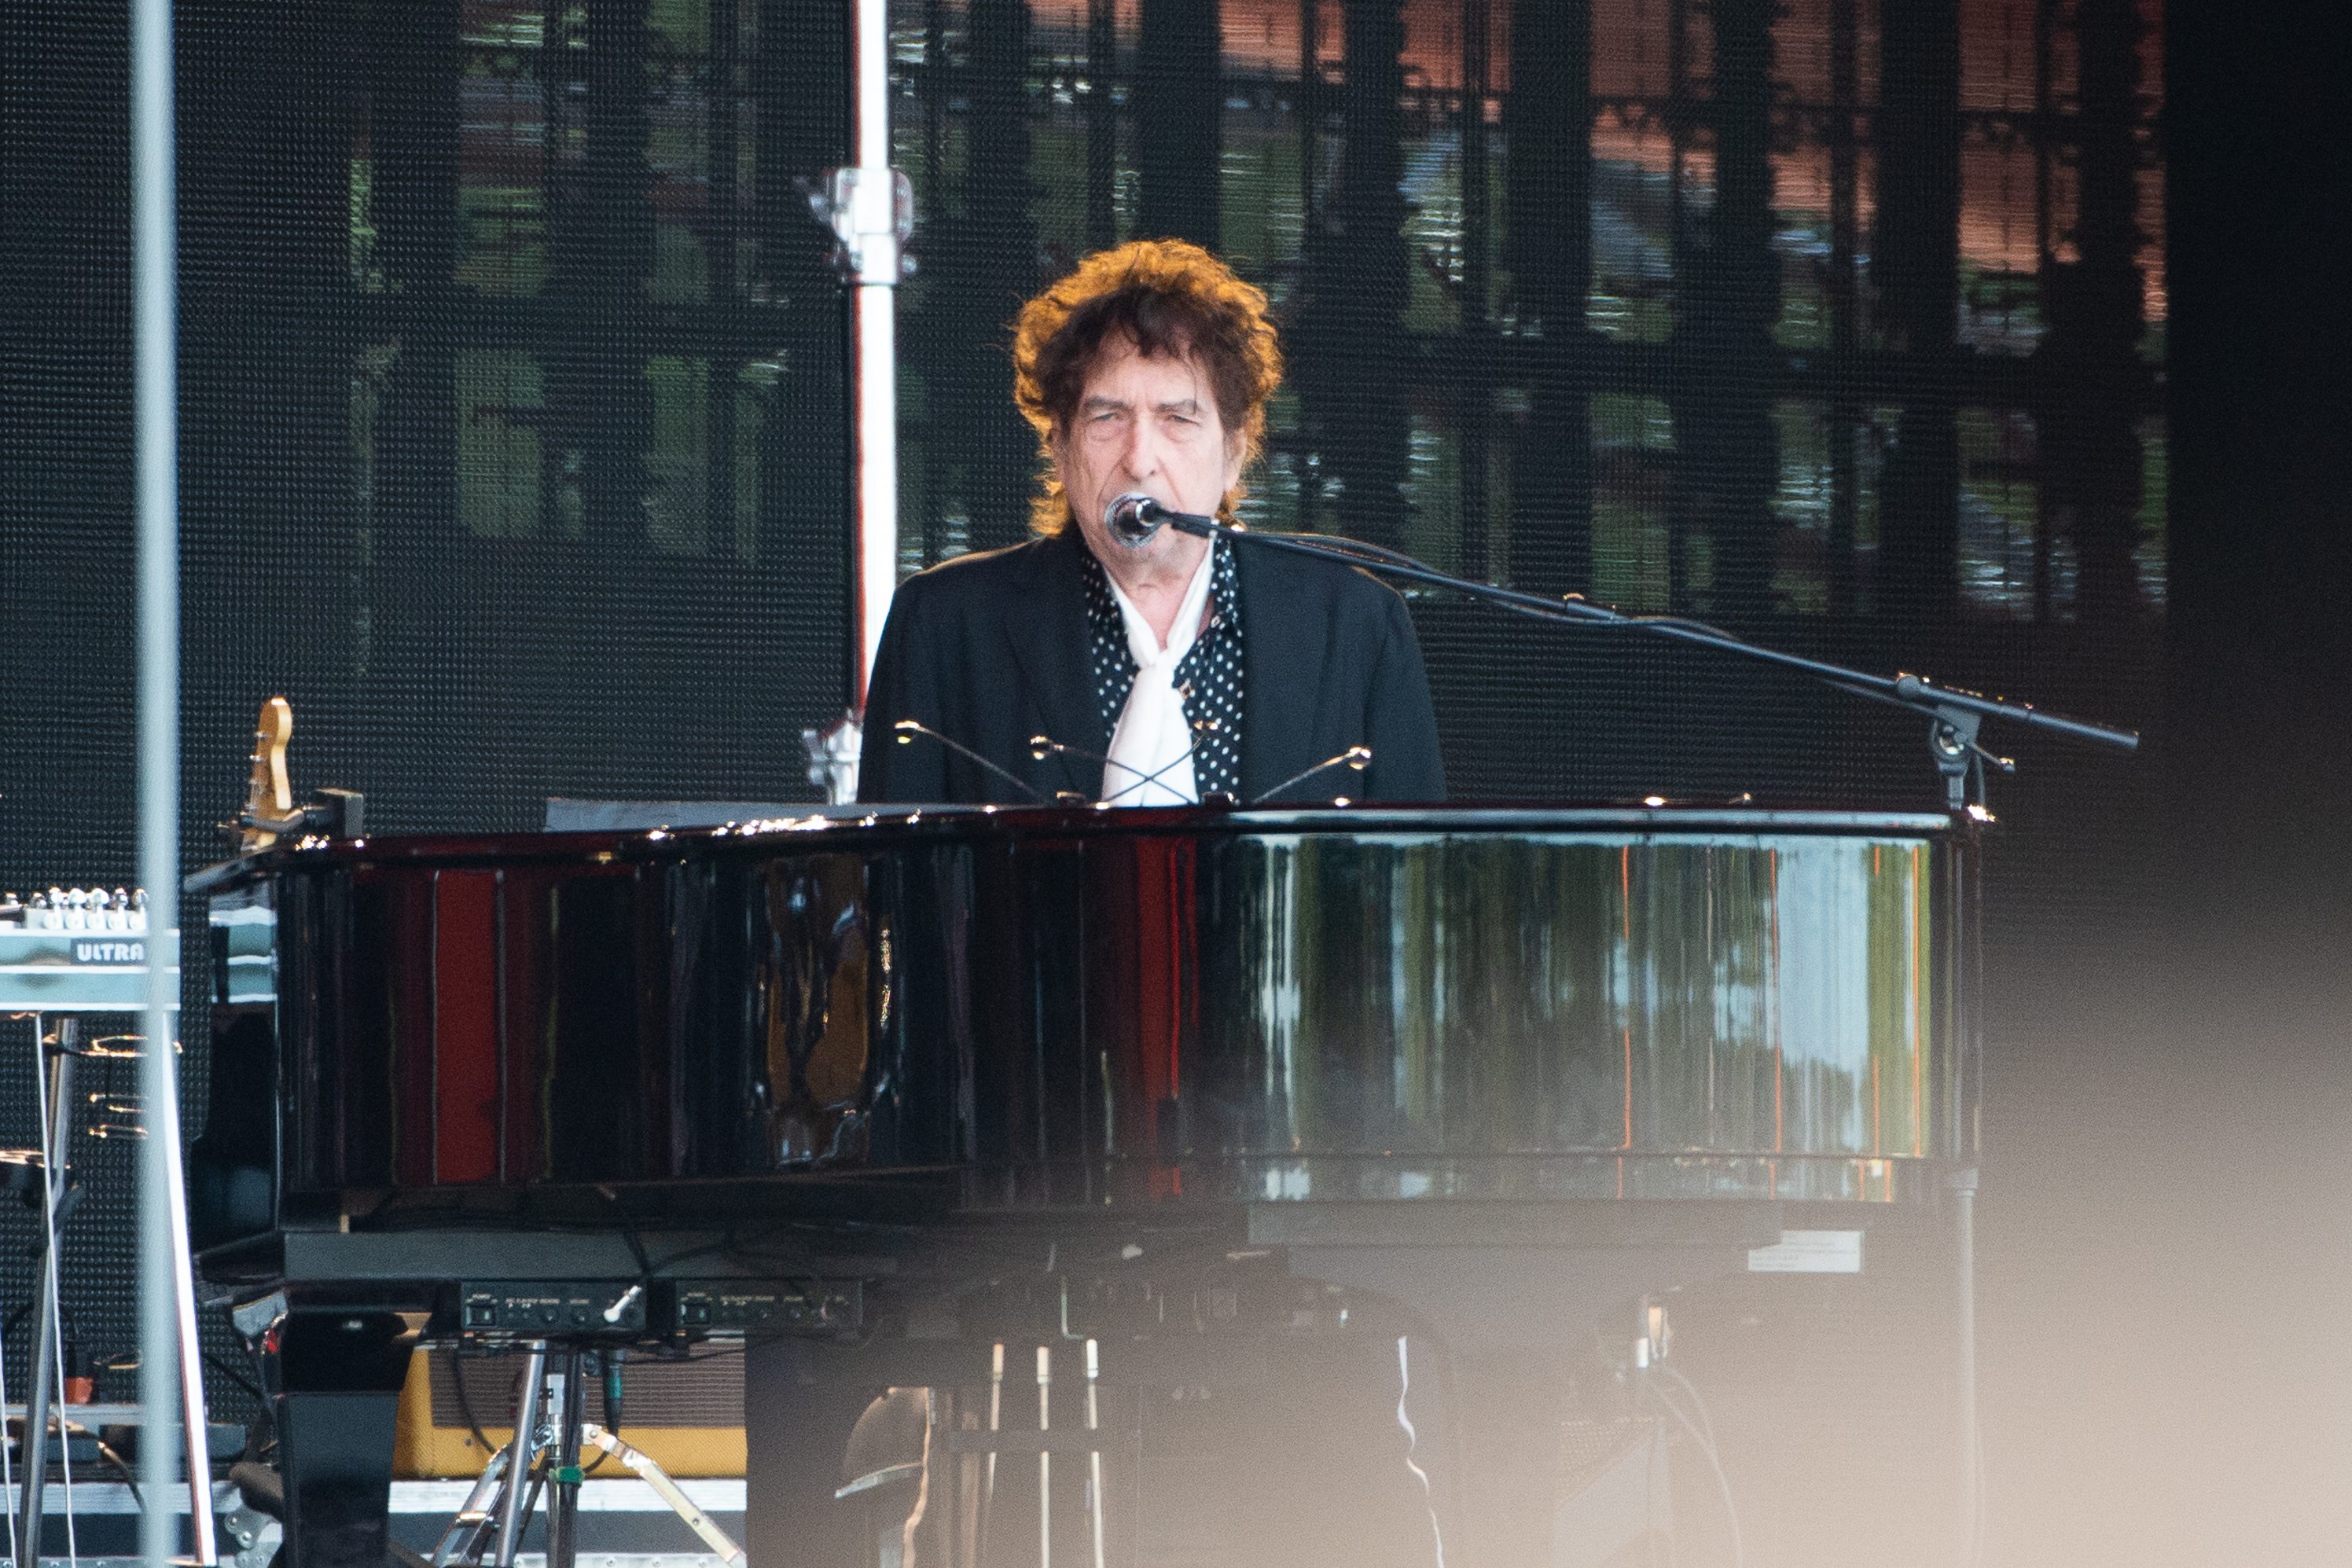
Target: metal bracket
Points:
(832, 754)
(1952, 740)
(871, 213)
(256, 1534)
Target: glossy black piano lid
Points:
(1081, 1008)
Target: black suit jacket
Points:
(991, 649)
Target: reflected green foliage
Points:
(1757, 1015)
(1674, 250)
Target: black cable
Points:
(1722, 1482)
(466, 1406)
(1704, 1442)
(1697, 1403)
(628, 1234)
(105, 1451)
(1449, 1394)
(230, 1371)
(610, 1363)
(725, 1246)
(265, 1418)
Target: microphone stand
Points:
(1954, 715)
(906, 729)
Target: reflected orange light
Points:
(1998, 227)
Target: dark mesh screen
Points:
(1834, 322)
(513, 432)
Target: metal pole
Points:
(1094, 1456)
(43, 1392)
(164, 1127)
(988, 1465)
(1045, 1458)
(1971, 1480)
(526, 1440)
(7, 1469)
(568, 1409)
(875, 260)
(170, 1386)
(156, 440)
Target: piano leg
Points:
(1307, 1469)
(335, 1376)
(800, 1400)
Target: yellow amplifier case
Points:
(688, 1416)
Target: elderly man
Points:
(1196, 668)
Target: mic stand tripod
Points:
(60, 1053)
(551, 1426)
(1954, 715)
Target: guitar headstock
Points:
(268, 795)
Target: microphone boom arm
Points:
(1954, 713)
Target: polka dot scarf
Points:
(1209, 677)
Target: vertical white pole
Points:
(156, 440)
(1045, 1458)
(995, 1415)
(874, 329)
(1967, 1435)
(877, 472)
(1094, 1457)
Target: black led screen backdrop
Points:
(1837, 323)
(513, 392)
(513, 399)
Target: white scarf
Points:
(1152, 750)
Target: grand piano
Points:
(1279, 1183)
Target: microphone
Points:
(1134, 518)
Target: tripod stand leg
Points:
(526, 1436)
(462, 1541)
(194, 1432)
(57, 1140)
(657, 1477)
(563, 1474)
(7, 1466)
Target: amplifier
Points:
(688, 1415)
(79, 950)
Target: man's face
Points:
(1146, 425)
